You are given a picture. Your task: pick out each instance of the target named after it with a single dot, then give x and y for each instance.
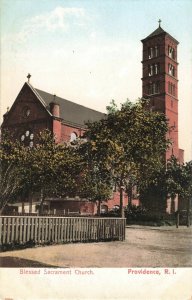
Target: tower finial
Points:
(29, 76)
(159, 22)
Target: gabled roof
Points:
(159, 31)
(70, 112)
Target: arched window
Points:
(171, 52)
(26, 111)
(73, 137)
(171, 69)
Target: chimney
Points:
(54, 107)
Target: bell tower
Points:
(160, 80)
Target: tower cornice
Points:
(157, 58)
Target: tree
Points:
(95, 180)
(171, 180)
(187, 188)
(179, 181)
(129, 143)
(12, 155)
(52, 169)
(48, 169)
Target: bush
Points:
(17, 245)
(111, 214)
(141, 216)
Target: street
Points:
(143, 247)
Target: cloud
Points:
(61, 18)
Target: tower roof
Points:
(157, 32)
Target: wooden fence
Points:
(42, 230)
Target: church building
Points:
(35, 110)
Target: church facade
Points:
(35, 110)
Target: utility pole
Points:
(188, 212)
(122, 212)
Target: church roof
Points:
(70, 112)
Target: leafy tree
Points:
(172, 179)
(12, 155)
(187, 188)
(112, 108)
(48, 169)
(52, 169)
(129, 143)
(95, 180)
(179, 180)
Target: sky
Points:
(90, 52)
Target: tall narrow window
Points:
(156, 87)
(150, 89)
(169, 87)
(156, 51)
(153, 88)
(171, 70)
(150, 70)
(150, 52)
(156, 68)
(173, 89)
(171, 52)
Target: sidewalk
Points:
(157, 227)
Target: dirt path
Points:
(143, 247)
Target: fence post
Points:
(177, 218)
